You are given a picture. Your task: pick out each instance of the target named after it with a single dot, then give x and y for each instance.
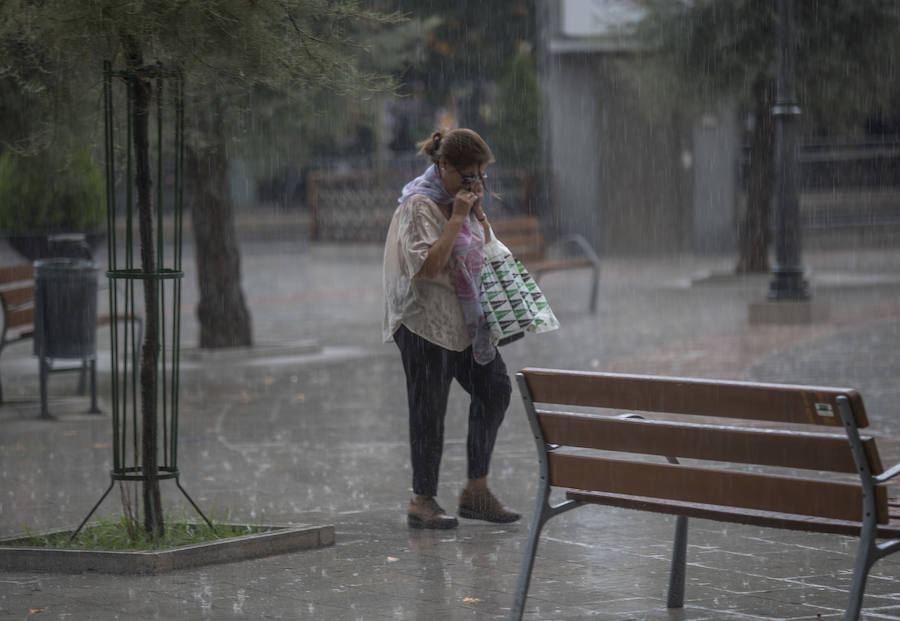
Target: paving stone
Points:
(317, 433)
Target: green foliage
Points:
(466, 42)
(114, 534)
(50, 192)
(298, 53)
(845, 55)
(517, 129)
(276, 42)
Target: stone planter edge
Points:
(280, 539)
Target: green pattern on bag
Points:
(512, 301)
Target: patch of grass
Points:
(113, 534)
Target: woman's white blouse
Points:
(427, 307)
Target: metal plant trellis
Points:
(125, 269)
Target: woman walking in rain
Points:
(432, 272)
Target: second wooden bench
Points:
(743, 436)
(523, 236)
(17, 306)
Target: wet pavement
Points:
(309, 427)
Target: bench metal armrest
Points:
(579, 241)
(582, 244)
(888, 474)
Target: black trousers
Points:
(430, 369)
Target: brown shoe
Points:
(481, 504)
(425, 512)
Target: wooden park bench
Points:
(523, 236)
(740, 438)
(17, 304)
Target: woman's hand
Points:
(463, 203)
(478, 191)
(439, 253)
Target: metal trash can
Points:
(65, 320)
(65, 308)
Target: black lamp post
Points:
(787, 276)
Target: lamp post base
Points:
(787, 312)
(788, 284)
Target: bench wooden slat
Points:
(524, 245)
(18, 333)
(802, 496)
(22, 317)
(789, 448)
(524, 239)
(532, 240)
(516, 225)
(773, 402)
(16, 273)
(18, 296)
(539, 266)
(735, 516)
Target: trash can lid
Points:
(65, 262)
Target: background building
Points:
(629, 182)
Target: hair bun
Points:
(436, 138)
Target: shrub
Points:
(50, 192)
(515, 139)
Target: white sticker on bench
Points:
(824, 409)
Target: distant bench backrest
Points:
(522, 235)
(17, 295)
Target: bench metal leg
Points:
(588, 251)
(95, 409)
(675, 598)
(82, 377)
(543, 511)
(44, 372)
(534, 532)
(864, 561)
(869, 552)
(595, 287)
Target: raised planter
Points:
(34, 245)
(277, 539)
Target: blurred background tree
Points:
(846, 68)
(516, 133)
(476, 70)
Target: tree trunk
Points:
(141, 91)
(222, 310)
(756, 232)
